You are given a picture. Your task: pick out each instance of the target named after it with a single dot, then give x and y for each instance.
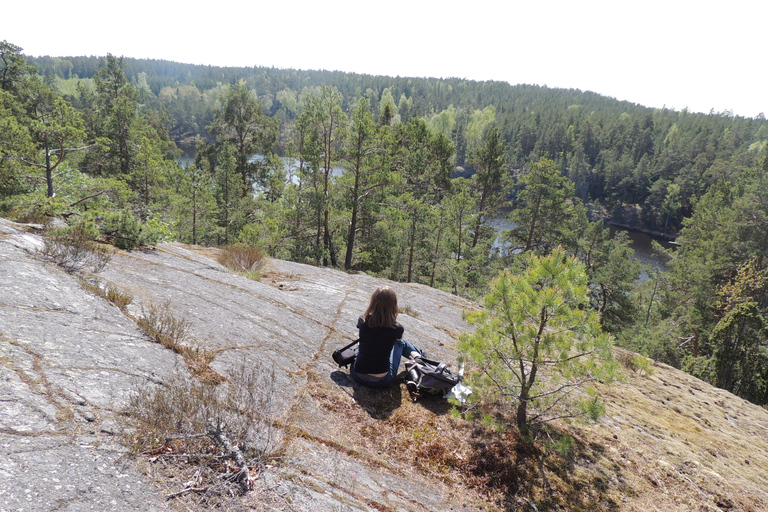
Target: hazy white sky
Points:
(698, 54)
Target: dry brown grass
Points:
(408, 310)
(172, 440)
(109, 292)
(246, 261)
(170, 331)
(667, 443)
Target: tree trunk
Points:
(48, 170)
(534, 217)
(522, 416)
(437, 251)
(351, 238)
(194, 215)
(480, 208)
(458, 252)
(413, 243)
(353, 221)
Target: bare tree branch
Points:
(88, 197)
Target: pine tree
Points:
(538, 344)
(548, 214)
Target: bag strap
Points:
(350, 345)
(422, 365)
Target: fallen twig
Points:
(185, 491)
(243, 476)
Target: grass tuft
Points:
(634, 362)
(408, 310)
(246, 261)
(173, 333)
(118, 298)
(109, 292)
(75, 251)
(160, 324)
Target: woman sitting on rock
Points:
(381, 341)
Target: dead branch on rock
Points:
(185, 491)
(243, 476)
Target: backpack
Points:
(345, 356)
(425, 376)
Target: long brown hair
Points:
(382, 310)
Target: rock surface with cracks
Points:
(70, 359)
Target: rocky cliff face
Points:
(69, 359)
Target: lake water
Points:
(290, 165)
(640, 242)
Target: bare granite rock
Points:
(70, 359)
(293, 318)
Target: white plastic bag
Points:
(460, 392)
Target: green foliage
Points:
(327, 122)
(38, 133)
(741, 353)
(242, 125)
(368, 183)
(40, 208)
(127, 232)
(612, 272)
(548, 213)
(491, 184)
(748, 285)
(635, 362)
(423, 164)
(13, 66)
(564, 446)
(658, 341)
(537, 343)
(700, 367)
(614, 151)
(15, 146)
(56, 130)
(491, 423)
(194, 207)
(114, 115)
(365, 172)
(717, 298)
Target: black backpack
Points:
(345, 356)
(430, 377)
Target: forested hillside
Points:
(616, 152)
(408, 178)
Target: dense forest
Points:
(650, 164)
(408, 178)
